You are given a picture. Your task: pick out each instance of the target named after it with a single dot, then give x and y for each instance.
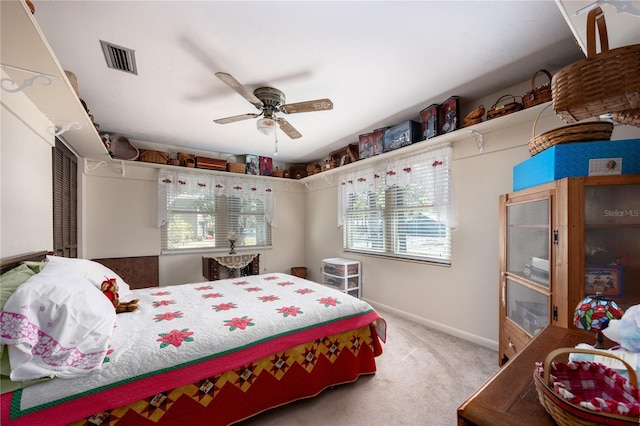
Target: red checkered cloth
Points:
(593, 386)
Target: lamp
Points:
(266, 126)
(593, 314)
(232, 242)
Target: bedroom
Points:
(118, 219)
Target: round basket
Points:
(474, 117)
(628, 116)
(566, 413)
(590, 131)
(122, 149)
(501, 107)
(602, 83)
(299, 271)
(150, 156)
(538, 95)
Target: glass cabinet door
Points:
(526, 307)
(612, 242)
(528, 233)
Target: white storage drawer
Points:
(342, 274)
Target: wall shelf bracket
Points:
(54, 130)
(479, 138)
(327, 179)
(11, 86)
(92, 166)
(307, 185)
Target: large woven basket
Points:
(628, 116)
(590, 131)
(503, 107)
(538, 95)
(151, 156)
(579, 382)
(601, 83)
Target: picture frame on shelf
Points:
(253, 164)
(606, 280)
(449, 115)
(365, 145)
(430, 121)
(378, 140)
(266, 166)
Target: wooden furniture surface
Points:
(11, 262)
(594, 213)
(510, 397)
(211, 265)
(138, 272)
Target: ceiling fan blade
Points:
(288, 129)
(235, 118)
(308, 106)
(230, 81)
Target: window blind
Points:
(401, 208)
(197, 211)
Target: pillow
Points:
(11, 280)
(93, 271)
(56, 323)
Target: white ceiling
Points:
(380, 62)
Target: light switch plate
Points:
(605, 166)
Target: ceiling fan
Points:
(270, 101)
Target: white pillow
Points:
(58, 324)
(93, 271)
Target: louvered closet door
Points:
(65, 201)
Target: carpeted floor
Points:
(423, 376)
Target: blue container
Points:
(572, 159)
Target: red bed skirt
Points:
(300, 372)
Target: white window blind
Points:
(402, 207)
(198, 211)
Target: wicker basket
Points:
(628, 116)
(501, 107)
(581, 132)
(566, 413)
(278, 173)
(606, 82)
(299, 271)
(474, 117)
(537, 95)
(237, 168)
(150, 156)
(186, 159)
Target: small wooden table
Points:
(235, 264)
(510, 397)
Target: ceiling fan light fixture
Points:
(266, 126)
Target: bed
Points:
(213, 352)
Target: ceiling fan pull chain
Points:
(275, 133)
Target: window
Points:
(199, 212)
(400, 208)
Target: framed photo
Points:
(606, 280)
(365, 145)
(430, 121)
(266, 166)
(253, 164)
(378, 140)
(450, 115)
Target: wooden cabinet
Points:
(559, 242)
(229, 266)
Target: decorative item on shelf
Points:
(378, 140)
(593, 314)
(402, 134)
(537, 95)
(237, 168)
(122, 149)
(73, 79)
(449, 113)
(502, 107)
(348, 154)
(151, 156)
(589, 131)
(474, 117)
(329, 164)
(278, 173)
(232, 242)
(32, 8)
(430, 121)
(605, 82)
(298, 171)
(253, 164)
(210, 163)
(286, 174)
(266, 166)
(628, 116)
(365, 145)
(173, 159)
(186, 159)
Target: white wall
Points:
(120, 217)
(26, 202)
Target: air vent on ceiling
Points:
(119, 58)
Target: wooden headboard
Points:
(138, 272)
(12, 261)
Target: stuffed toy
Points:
(110, 289)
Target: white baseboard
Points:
(487, 343)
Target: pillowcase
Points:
(56, 323)
(11, 280)
(93, 271)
